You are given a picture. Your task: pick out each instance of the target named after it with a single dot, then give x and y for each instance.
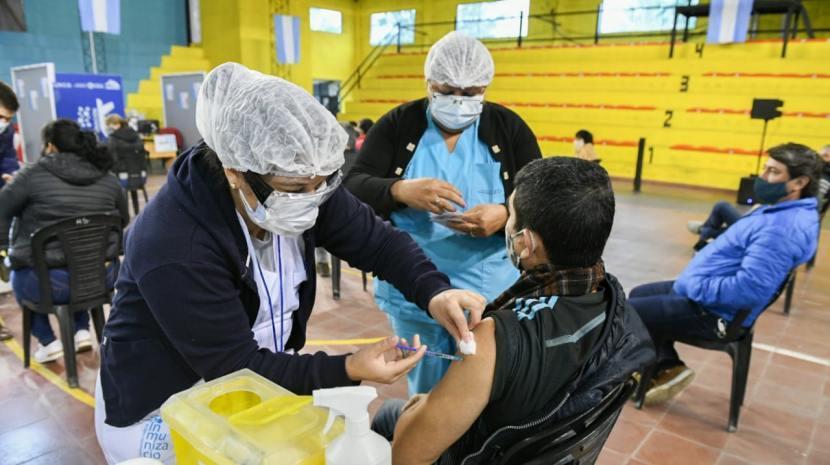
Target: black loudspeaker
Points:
(746, 190)
(766, 109)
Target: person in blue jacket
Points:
(218, 273)
(741, 269)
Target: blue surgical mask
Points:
(769, 193)
(456, 112)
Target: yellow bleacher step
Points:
(148, 99)
(187, 52)
(170, 62)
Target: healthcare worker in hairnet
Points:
(441, 168)
(218, 273)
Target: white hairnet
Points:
(460, 61)
(266, 124)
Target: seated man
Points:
(742, 269)
(549, 347)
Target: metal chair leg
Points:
(134, 197)
(645, 380)
(788, 295)
(365, 281)
(747, 359)
(740, 372)
(97, 315)
(335, 277)
(27, 337)
(67, 327)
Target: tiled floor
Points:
(785, 420)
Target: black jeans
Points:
(387, 417)
(669, 316)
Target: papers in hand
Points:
(446, 218)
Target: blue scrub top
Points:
(474, 263)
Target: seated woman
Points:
(584, 146)
(70, 179)
(124, 144)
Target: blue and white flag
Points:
(728, 21)
(287, 32)
(100, 15)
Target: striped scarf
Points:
(545, 281)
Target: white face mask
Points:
(578, 144)
(456, 112)
(3, 125)
(509, 242)
(290, 214)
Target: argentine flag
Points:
(100, 15)
(728, 21)
(287, 32)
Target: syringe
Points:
(430, 353)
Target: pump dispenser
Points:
(358, 445)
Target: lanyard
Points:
(281, 346)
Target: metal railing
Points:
(555, 34)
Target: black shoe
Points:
(699, 245)
(324, 270)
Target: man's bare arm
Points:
(431, 425)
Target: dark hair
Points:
(570, 204)
(800, 161)
(365, 125)
(585, 136)
(214, 167)
(68, 137)
(7, 98)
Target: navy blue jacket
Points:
(186, 300)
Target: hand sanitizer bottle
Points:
(358, 445)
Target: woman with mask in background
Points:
(218, 273)
(441, 169)
(584, 146)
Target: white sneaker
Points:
(694, 227)
(83, 340)
(50, 352)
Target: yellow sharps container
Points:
(245, 419)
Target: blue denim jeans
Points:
(387, 418)
(669, 316)
(26, 287)
(723, 215)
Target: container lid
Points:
(245, 418)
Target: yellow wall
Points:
(336, 57)
(241, 30)
(220, 31)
